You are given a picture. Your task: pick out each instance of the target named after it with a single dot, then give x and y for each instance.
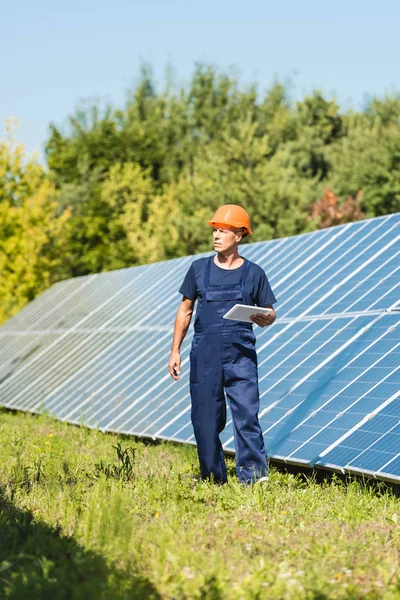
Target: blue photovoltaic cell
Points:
(94, 350)
(374, 443)
(330, 401)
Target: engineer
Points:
(223, 355)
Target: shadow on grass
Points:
(40, 563)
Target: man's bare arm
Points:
(182, 322)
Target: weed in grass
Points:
(123, 470)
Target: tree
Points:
(138, 212)
(368, 158)
(19, 177)
(31, 230)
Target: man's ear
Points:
(240, 234)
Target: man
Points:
(223, 354)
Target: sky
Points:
(55, 55)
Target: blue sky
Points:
(54, 54)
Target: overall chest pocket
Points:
(220, 294)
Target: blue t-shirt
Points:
(256, 284)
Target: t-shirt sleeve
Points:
(265, 296)
(189, 287)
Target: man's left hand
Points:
(264, 320)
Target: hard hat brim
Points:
(236, 225)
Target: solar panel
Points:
(94, 350)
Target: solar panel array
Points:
(94, 350)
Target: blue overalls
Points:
(223, 355)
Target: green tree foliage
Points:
(31, 229)
(138, 212)
(18, 178)
(368, 159)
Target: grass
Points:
(78, 522)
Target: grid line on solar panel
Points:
(34, 309)
(348, 365)
(339, 298)
(331, 238)
(96, 358)
(308, 375)
(40, 385)
(385, 475)
(131, 305)
(331, 234)
(111, 319)
(284, 255)
(396, 457)
(320, 428)
(298, 259)
(54, 362)
(10, 349)
(156, 420)
(328, 298)
(126, 329)
(381, 449)
(58, 304)
(174, 419)
(70, 330)
(166, 302)
(304, 317)
(122, 298)
(339, 283)
(275, 268)
(104, 404)
(365, 419)
(72, 392)
(103, 288)
(151, 311)
(32, 347)
(332, 316)
(262, 249)
(131, 374)
(163, 391)
(373, 446)
(304, 275)
(378, 284)
(163, 396)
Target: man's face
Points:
(225, 238)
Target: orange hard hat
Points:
(233, 215)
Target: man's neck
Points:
(229, 260)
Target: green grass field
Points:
(76, 522)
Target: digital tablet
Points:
(243, 312)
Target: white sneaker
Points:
(262, 479)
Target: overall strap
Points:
(208, 271)
(245, 271)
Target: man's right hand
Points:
(174, 364)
